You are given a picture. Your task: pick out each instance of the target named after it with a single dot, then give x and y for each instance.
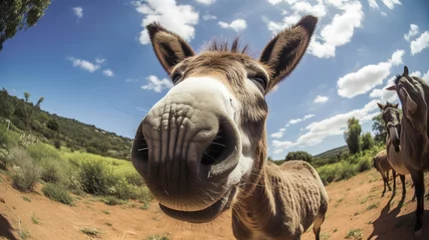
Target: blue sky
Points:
(92, 62)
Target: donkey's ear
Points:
(396, 105)
(405, 73)
(285, 50)
(381, 106)
(170, 49)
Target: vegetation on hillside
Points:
(60, 131)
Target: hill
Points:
(333, 152)
(60, 131)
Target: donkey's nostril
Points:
(219, 148)
(140, 148)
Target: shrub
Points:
(26, 176)
(57, 144)
(57, 193)
(96, 177)
(40, 151)
(135, 179)
(364, 164)
(52, 171)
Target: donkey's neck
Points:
(258, 214)
(414, 145)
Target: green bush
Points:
(57, 193)
(96, 177)
(134, 178)
(40, 151)
(52, 171)
(28, 172)
(364, 164)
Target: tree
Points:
(37, 106)
(16, 15)
(27, 96)
(6, 106)
(352, 135)
(53, 125)
(367, 141)
(379, 128)
(299, 155)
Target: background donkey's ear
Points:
(286, 49)
(381, 106)
(170, 49)
(405, 73)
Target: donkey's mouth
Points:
(205, 215)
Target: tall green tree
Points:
(35, 107)
(352, 135)
(367, 141)
(299, 155)
(27, 96)
(379, 128)
(16, 15)
(6, 106)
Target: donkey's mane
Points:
(222, 46)
(397, 77)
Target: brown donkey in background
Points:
(382, 165)
(202, 148)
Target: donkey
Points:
(391, 118)
(202, 148)
(382, 165)
(413, 93)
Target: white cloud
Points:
(373, 4)
(298, 120)
(426, 76)
(108, 72)
(420, 43)
(383, 14)
(320, 99)
(236, 25)
(416, 73)
(180, 19)
(336, 125)
(414, 30)
(84, 64)
(206, 2)
(389, 3)
(366, 78)
(298, 10)
(157, 84)
(209, 17)
(279, 134)
(384, 95)
(78, 11)
(339, 32)
(100, 60)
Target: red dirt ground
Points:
(354, 204)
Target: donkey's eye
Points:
(262, 81)
(176, 77)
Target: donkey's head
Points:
(412, 97)
(207, 134)
(391, 118)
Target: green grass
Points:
(91, 232)
(26, 199)
(157, 237)
(372, 206)
(57, 193)
(105, 212)
(34, 219)
(355, 234)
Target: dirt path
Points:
(354, 204)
